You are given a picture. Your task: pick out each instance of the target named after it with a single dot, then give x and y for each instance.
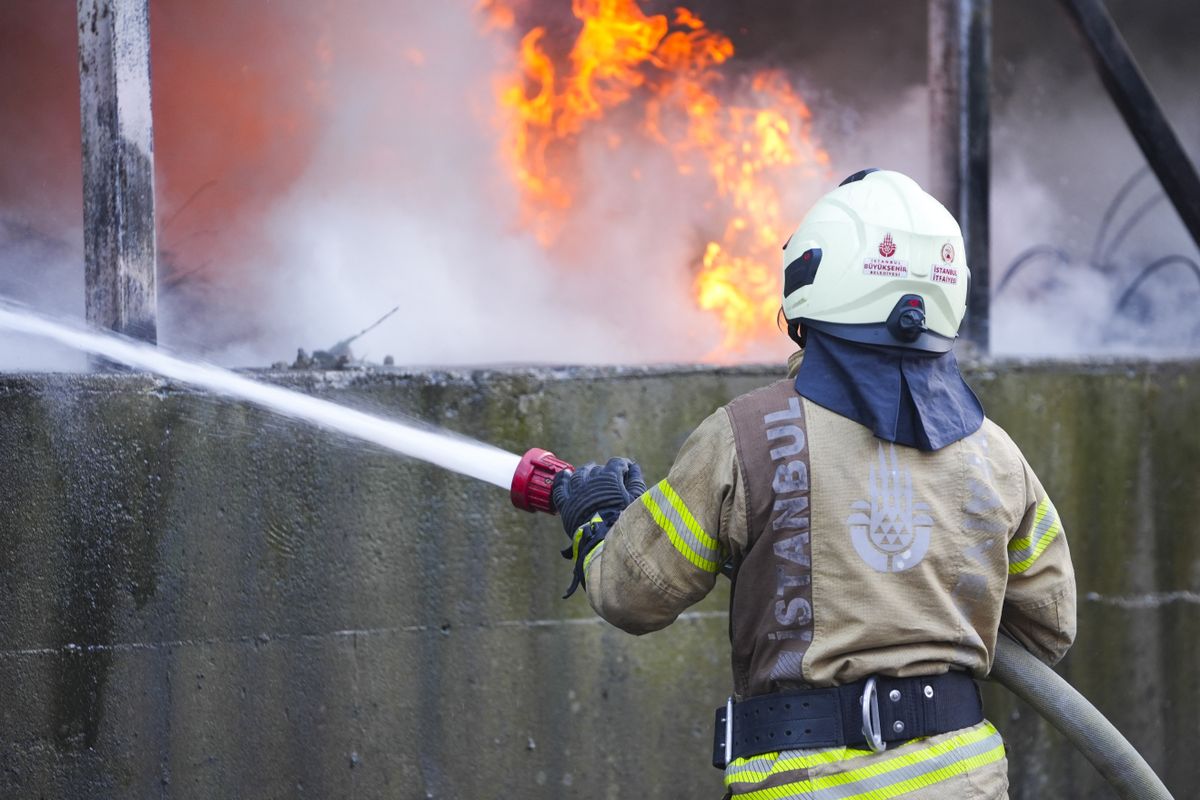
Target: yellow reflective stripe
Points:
(577, 539)
(748, 766)
(587, 560)
(812, 759)
(909, 759)
(686, 515)
(930, 778)
(1040, 526)
(705, 560)
(1024, 551)
(749, 770)
(981, 746)
(676, 539)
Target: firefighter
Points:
(879, 531)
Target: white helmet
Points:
(878, 261)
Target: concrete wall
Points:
(198, 599)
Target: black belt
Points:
(865, 714)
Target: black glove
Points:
(589, 501)
(587, 491)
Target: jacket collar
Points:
(794, 363)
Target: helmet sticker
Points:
(948, 253)
(891, 530)
(886, 267)
(942, 274)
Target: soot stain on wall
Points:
(113, 516)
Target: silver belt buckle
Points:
(871, 730)
(728, 730)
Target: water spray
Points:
(528, 478)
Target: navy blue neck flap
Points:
(907, 397)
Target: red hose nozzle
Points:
(534, 478)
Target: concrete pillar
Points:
(118, 166)
(960, 54)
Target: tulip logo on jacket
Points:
(890, 530)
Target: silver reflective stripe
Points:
(788, 664)
(1048, 521)
(681, 528)
(892, 776)
(758, 768)
(911, 772)
(755, 768)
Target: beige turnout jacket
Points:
(884, 560)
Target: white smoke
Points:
(1060, 153)
(1060, 158)
(402, 200)
(406, 202)
(45, 273)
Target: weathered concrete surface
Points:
(198, 599)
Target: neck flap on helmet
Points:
(913, 398)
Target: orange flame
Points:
(751, 153)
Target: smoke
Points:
(403, 200)
(322, 163)
(1068, 174)
(40, 183)
(1060, 155)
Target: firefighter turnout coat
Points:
(852, 557)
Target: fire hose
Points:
(1013, 667)
(1016, 669)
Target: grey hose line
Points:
(1070, 712)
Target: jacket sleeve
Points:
(1039, 601)
(665, 550)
